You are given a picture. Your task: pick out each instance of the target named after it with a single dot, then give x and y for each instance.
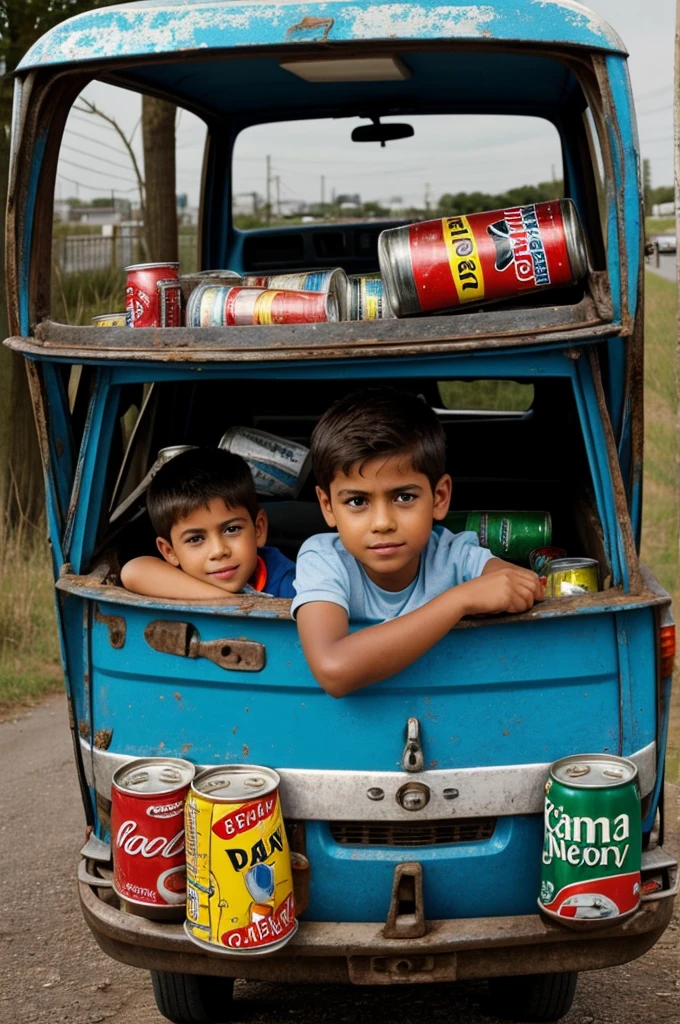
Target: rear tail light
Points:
(666, 650)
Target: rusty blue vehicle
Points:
(398, 894)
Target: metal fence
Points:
(78, 253)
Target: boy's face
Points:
(216, 544)
(384, 515)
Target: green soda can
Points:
(511, 535)
(592, 847)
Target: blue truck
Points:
(398, 894)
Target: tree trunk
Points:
(158, 128)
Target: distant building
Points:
(663, 209)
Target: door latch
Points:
(412, 759)
(183, 639)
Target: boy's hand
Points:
(505, 589)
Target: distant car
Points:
(666, 243)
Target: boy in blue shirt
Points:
(379, 461)
(210, 531)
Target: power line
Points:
(656, 110)
(93, 156)
(97, 142)
(92, 188)
(95, 170)
(654, 92)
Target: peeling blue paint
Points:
(168, 26)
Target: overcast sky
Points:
(93, 162)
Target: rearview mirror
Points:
(382, 133)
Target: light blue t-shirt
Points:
(325, 571)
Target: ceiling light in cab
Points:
(352, 69)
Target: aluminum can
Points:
(539, 558)
(112, 320)
(568, 577)
(484, 257)
(142, 297)
(507, 534)
(219, 306)
(147, 835)
(164, 455)
(367, 298)
(190, 281)
(333, 281)
(239, 877)
(592, 848)
(279, 466)
(170, 302)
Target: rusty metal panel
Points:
(139, 29)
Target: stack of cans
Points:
(222, 306)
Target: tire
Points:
(533, 997)
(193, 998)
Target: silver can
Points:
(170, 302)
(164, 455)
(279, 466)
(190, 281)
(333, 281)
(367, 300)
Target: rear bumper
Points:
(359, 953)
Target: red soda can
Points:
(484, 257)
(222, 306)
(147, 835)
(142, 297)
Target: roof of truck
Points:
(154, 27)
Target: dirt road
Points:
(51, 970)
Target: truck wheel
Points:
(533, 997)
(193, 998)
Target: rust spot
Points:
(178, 697)
(246, 750)
(186, 747)
(433, 764)
(506, 732)
(59, 446)
(246, 709)
(84, 729)
(310, 26)
(102, 739)
(116, 626)
(234, 730)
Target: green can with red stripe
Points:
(508, 534)
(592, 846)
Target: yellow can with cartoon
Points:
(239, 877)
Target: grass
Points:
(661, 517)
(29, 650)
(659, 225)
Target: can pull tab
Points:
(412, 759)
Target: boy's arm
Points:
(155, 578)
(342, 661)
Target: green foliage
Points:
(472, 202)
(662, 194)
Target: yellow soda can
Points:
(111, 320)
(569, 577)
(239, 877)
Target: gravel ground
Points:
(51, 970)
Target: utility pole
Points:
(269, 187)
(277, 179)
(427, 198)
(323, 189)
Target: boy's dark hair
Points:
(192, 479)
(378, 421)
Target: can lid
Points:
(566, 564)
(150, 266)
(153, 775)
(594, 771)
(235, 783)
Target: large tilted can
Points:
(482, 257)
(239, 876)
(507, 534)
(279, 466)
(220, 306)
(333, 282)
(367, 298)
(592, 848)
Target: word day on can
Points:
(112, 320)
(279, 466)
(239, 876)
(507, 534)
(569, 577)
(333, 281)
(367, 298)
(219, 306)
(147, 835)
(592, 849)
(142, 297)
(482, 257)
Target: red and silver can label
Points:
(482, 257)
(147, 832)
(142, 296)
